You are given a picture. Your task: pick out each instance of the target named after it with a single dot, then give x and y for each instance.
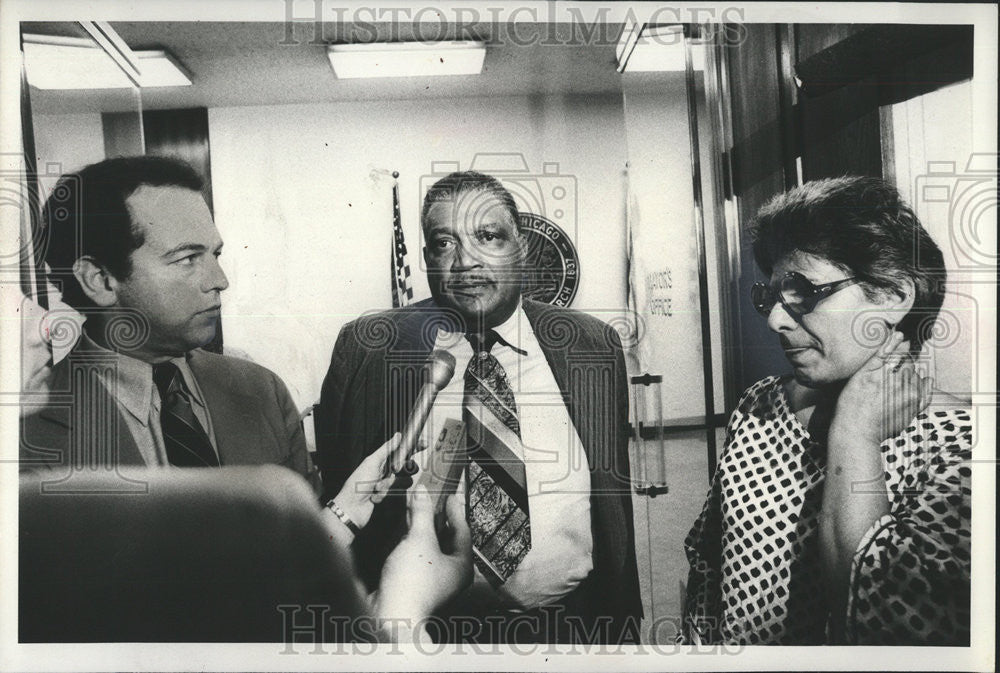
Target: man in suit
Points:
(136, 248)
(542, 393)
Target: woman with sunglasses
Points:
(840, 508)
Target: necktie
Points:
(497, 491)
(186, 442)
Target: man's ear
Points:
(899, 302)
(97, 282)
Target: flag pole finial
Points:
(395, 174)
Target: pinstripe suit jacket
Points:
(371, 386)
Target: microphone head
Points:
(440, 368)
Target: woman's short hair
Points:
(863, 226)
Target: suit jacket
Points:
(253, 416)
(374, 376)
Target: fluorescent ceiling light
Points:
(77, 63)
(407, 59)
(160, 68)
(655, 48)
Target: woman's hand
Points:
(366, 487)
(47, 336)
(883, 396)
(418, 577)
(36, 357)
(876, 403)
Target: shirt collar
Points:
(511, 331)
(134, 379)
(190, 382)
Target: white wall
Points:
(66, 143)
(665, 248)
(930, 165)
(307, 227)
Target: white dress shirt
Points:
(556, 467)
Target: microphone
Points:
(387, 525)
(438, 371)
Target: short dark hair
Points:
(455, 184)
(86, 215)
(863, 226)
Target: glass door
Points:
(80, 104)
(680, 269)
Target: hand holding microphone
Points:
(438, 371)
(390, 466)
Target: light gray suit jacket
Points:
(253, 416)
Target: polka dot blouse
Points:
(756, 572)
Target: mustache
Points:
(469, 280)
(786, 344)
(480, 279)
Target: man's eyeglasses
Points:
(795, 292)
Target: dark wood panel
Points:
(757, 131)
(841, 133)
(182, 134)
(761, 157)
(949, 63)
(847, 73)
(812, 38)
(890, 56)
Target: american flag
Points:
(402, 290)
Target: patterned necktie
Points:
(186, 442)
(497, 491)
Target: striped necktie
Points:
(497, 491)
(186, 442)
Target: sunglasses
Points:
(795, 292)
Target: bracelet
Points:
(342, 515)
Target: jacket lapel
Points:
(558, 359)
(234, 422)
(418, 325)
(401, 365)
(77, 395)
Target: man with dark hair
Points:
(541, 392)
(134, 245)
